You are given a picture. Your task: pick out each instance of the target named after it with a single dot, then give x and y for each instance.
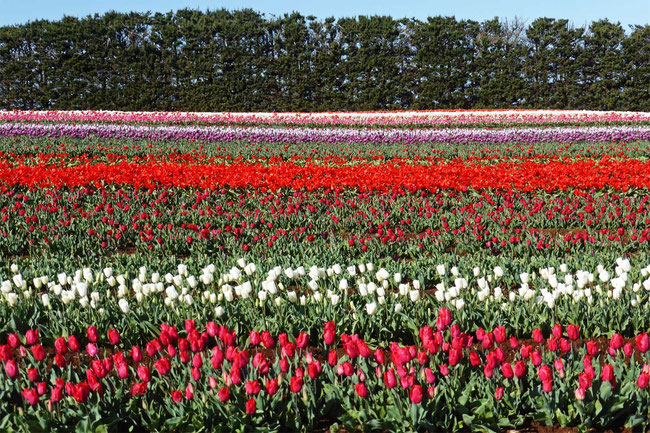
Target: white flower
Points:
(171, 292)
(382, 275)
(440, 269)
(397, 277)
(261, 295)
(414, 295)
(498, 272)
(337, 269)
(476, 271)
(343, 284)
(371, 308)
(370, 267)
(292, 297)
(416, 284)
(603, 276)
(334, 299)
(398, 308)
(124, 305)
(45, 299)
(12, 299)
(14, 268)
(352, 270)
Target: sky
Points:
(580, 12)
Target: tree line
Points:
(242, 60)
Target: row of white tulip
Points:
(316, 284)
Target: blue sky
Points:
(578, 11)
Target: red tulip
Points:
(616, 342)
(537, 335)
(642, 342)
(302, 340)
(547, 386)
(500, 334)
(13, 340)
(296, 384)
(573, 332)
(545, 373)
(92, 350)
(30, 395)
(163, 366)
(56, 394)
(143, 373)
(643, 379)
(389, 378)
(415, 394)
(498, 394)
(272, 386)
(520, 369)
(38, 352)
(557, 331)
(61, 346)
(31, 336)
(506, 370)
(592, 348)
(11, 368)
(607, 373)
(177, 396)
(267, 340)
(138, 389)
(361, 390)
(59, 360)
(73, 344)
(113, 337)
(251, 406)
(92, 334)
(32, 374)
(224, 394)
(253, 387)
(254, 337)
(189, 392)
(579, 393)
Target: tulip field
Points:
(392, 271)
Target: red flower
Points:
(332, 358)
(415, 394)
(267, 340)
(60, 346)
(389, 378)
(498, 394)
(143, 373)
(329, 335)
(545, 373)
(361, 390)
(136, 354)
(642, 342)
(177, 396)
(13, 340)
(38, 352)
(251, 406)
(616, 342)
(296, 384)
(607, 373)
(32, 374)
(189, 392)
(224, 394)
(500, 334)
(302, 340)
(31, 395)
(573, 332)
(253, 387)
(138, 389)
(643, 379)
(163, 366)
(113, 337)
(592, 348)
(92, 334)
(31, 336)
(272, 386)
(11, 368)
(520, 369)
(254, 338)
(537, 335)
(73, 343)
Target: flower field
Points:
(394, 271)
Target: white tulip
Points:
(371, 308)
